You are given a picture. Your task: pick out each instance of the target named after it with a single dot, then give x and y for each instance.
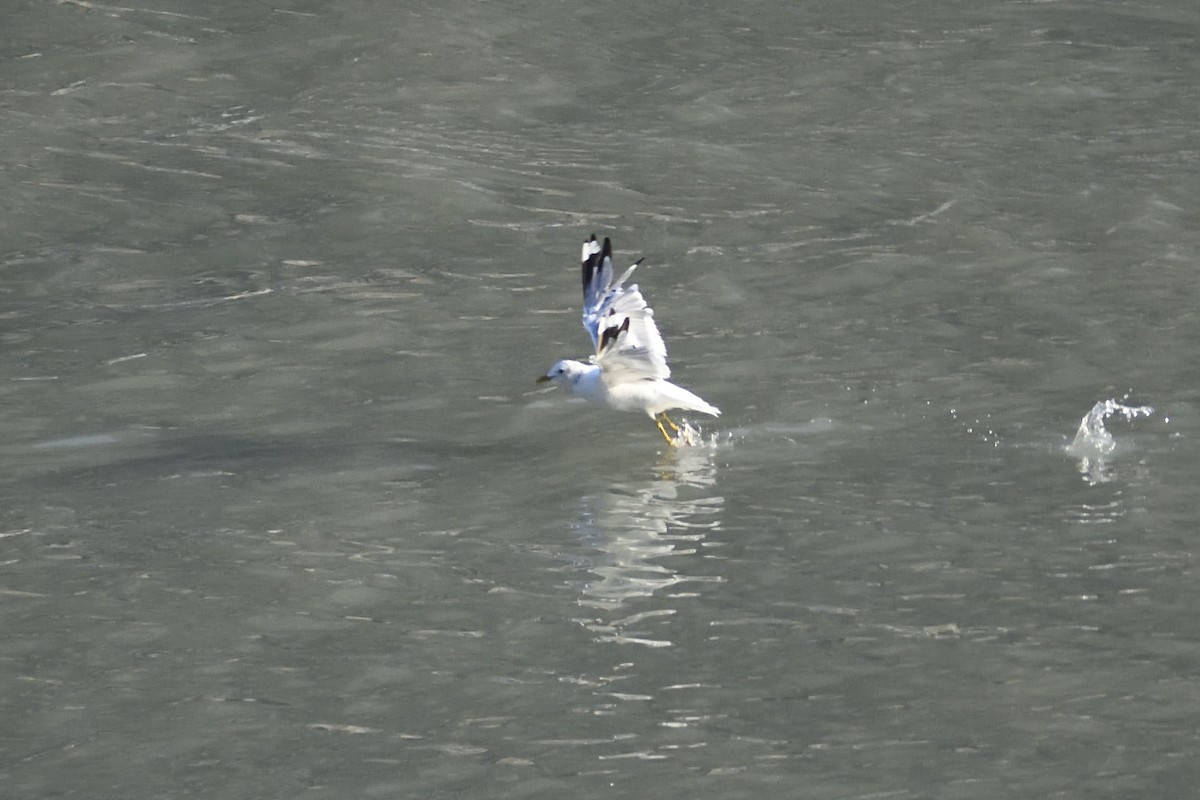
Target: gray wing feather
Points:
(618, 320)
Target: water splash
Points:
(1092, 438)
(689, 435)
(1093, 443)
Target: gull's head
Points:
(563, 372)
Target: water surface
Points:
(284, 515)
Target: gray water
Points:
(284, 516)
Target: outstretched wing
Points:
(628, 344)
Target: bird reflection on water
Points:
(648, 535)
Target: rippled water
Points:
(284, 514)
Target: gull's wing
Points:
(617, 318)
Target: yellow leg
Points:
(674, 427)
(663, 431)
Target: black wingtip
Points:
(591, 262)
(607, 251)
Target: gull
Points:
(628, 371)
